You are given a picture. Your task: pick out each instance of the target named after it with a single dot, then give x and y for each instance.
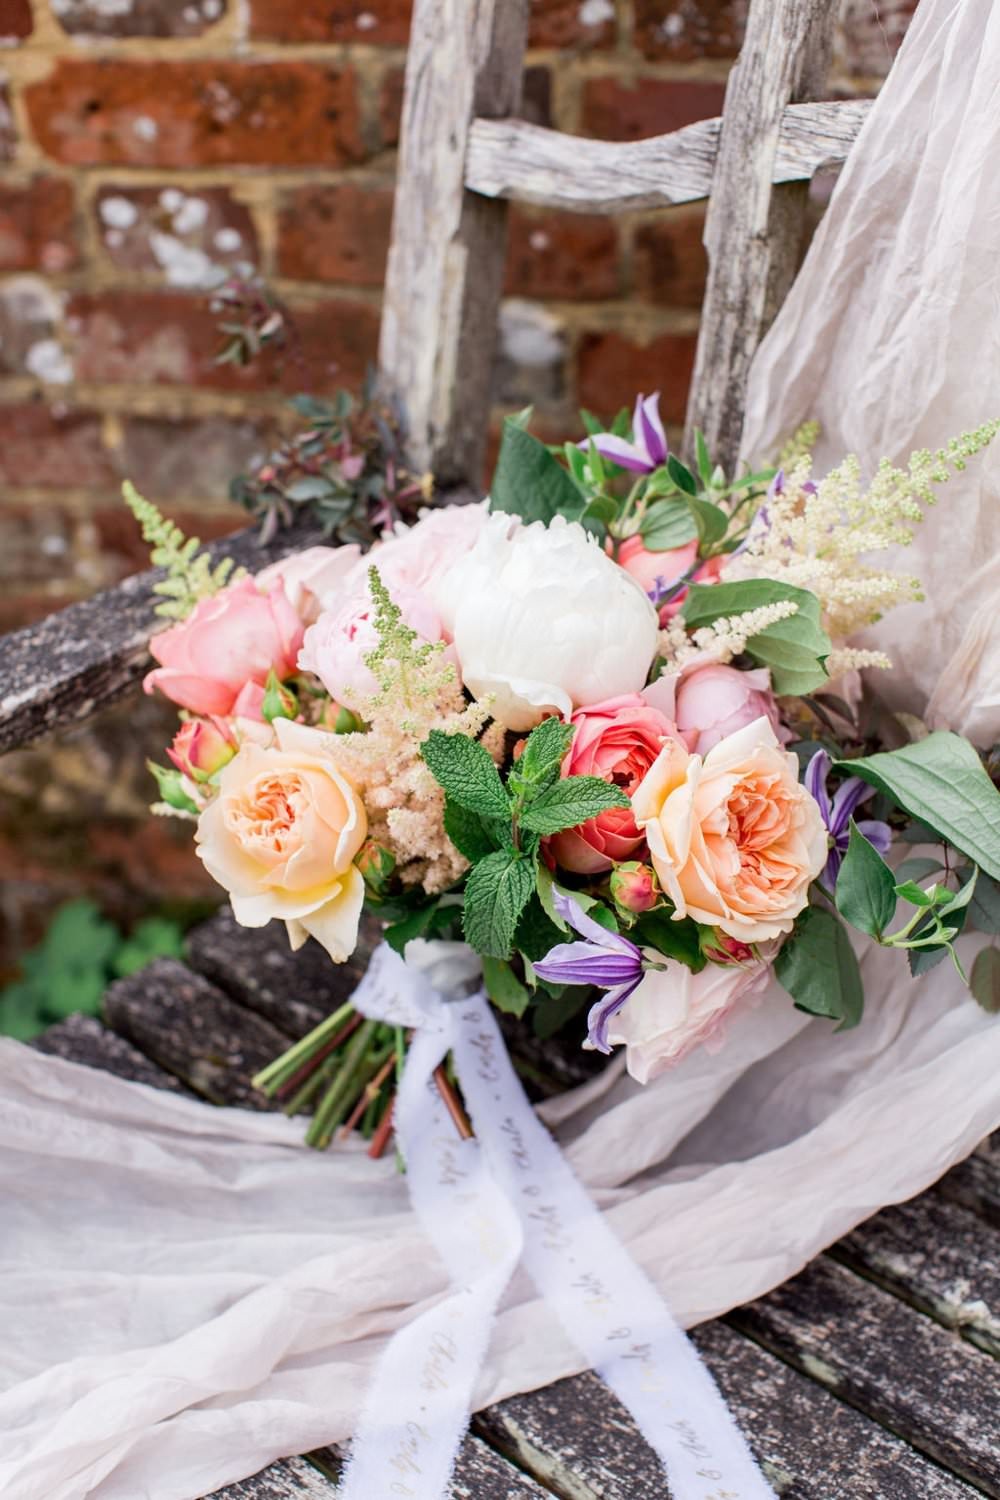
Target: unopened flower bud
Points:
(338, 718)
(201, 747)
(376, 864)
(279, 701)
(634, 887)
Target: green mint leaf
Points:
(571, 802)
(866, 887)
(984, 981)
(667, 524)
(941, 781)
(536, 932)
(504, 988)
(529, 482)
(464, 769)
(497, 890)
(471, 833)
(817, 967)
(544, 751)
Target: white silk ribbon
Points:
(487, 1204)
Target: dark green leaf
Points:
(712, 521)
(984, 981)
(866, 887)
(667, 524)
(416, 925)
(553, 1012)
(941, 781)
(984, 908)
(464, 769)
(680, 940)
(681, 475)
(601, 510)
(504, 988)
(793, 649)
(702, 457)
(497, 890)
(471, 833)
(530, 483)
(536, 933)
(817, 966)
(571, 802)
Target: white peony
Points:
(543, 621)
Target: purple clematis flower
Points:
(648, 449)
(838, 812)
(605, 959)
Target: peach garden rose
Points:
(281, 837)
(734, 839)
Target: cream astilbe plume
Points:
(417, 691)
(815, 534)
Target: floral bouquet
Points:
(605, 728)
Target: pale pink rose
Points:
(417, 558)
(674, 1011)
(336, 646)
(734, 839)
(237, 636)
(617, 740)
(312, 577)
(654, 569)
(281, 836)
(713, 702)
(201, 747)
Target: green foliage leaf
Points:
(154, 937)
(552, 1012)
(498, 889)
(667, 524)
(866, 887)
(431, 920)
(984, 908)
(681, 475)
(529, 482)
(571, 802)
(712, 521)
(536, 932)
(941, 781)
(817, 966)
(916, 869)
(544, 751)
(680, 940)
(793, 649)
(464, 769)
(984, 981)
(471, 833)
(702, 457)
(504, 988)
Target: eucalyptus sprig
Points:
(499, 824)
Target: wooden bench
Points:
(872, 1373)
(870, 1376)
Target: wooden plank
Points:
(752, 234)
(937, 1256)
(879, 1355)
(446, 262)
(85, 1039)
(256, 966)
(975, 1182)
(195, 1032)
(582, 1445)
(480, 1473)
(291, 1479)
(512, 159)
(80, 659)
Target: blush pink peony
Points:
(237, 636)
(715, 701)
(335, 647)
(617, 740)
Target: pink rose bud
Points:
(715, 701)
(376, 864)
(200, 748)
(279, 702)
(634, 887)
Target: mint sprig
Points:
(499, 827)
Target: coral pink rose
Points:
(201, 747)
(673, 1011)
(713, 702)
(617, 740)
(237, 636)
(734, 839)
(281, 836)
(311, 578)
(336, 646)
(655, 569)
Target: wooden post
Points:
(446, 262)
(753, 229)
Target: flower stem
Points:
(275, 1073)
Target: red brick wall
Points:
(150, 141)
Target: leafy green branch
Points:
(499, 825)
